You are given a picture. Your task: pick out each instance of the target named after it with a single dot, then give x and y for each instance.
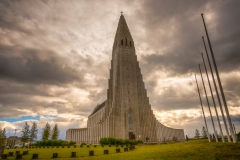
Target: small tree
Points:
(204, 132)
(25, 133)
(55, 132)
(46, 132)
(2, 140)
(197, 133)
(33, 132)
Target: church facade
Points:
(126, 113)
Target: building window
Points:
(130, 44)
(121, 42)
(130, 125)
(126, 41)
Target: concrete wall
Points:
(100, 129)
(165, 133)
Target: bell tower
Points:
(126, 88)
(126, 113)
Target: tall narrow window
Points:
(121, 42)
(130, 125)
(130, 44)
(126, 42)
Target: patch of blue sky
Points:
(22, 118)
(50, 117)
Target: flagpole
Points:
(203, 110)
(214, 130)
(220, 84)
(214, 104)
(219, 101)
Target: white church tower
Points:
(126, 113)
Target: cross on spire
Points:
(121, 12)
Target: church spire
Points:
(123, 31)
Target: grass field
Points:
(194, 149)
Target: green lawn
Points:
(194, 149)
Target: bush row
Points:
(114, 141)
(54, 143)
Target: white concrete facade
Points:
(126, 113)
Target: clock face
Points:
(127, 53)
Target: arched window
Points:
(130, 125)
(121, 42)
(126, 41)
(130, 44)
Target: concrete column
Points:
(83, 135)
(75, 135)
(75, 130)
(80, 136)
(72, 135)
(79, 133)
(84, 131)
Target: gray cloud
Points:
(31, 66)
(178, 27)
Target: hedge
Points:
(115, 141)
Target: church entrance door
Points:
(131, 135)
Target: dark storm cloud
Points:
(183, 29)
(34, 66)
(11, 87)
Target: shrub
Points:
(118, 141)
(71, 143)
(126, 141)
(104, 141)
(112, 140)
(53, 143)
(115, 141)
(83, 143)
(65, 143)
(139, 142)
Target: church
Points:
(126, 113)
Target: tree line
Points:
(30, 135)
(47, 134)
(204, 134)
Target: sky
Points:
(55, 59)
